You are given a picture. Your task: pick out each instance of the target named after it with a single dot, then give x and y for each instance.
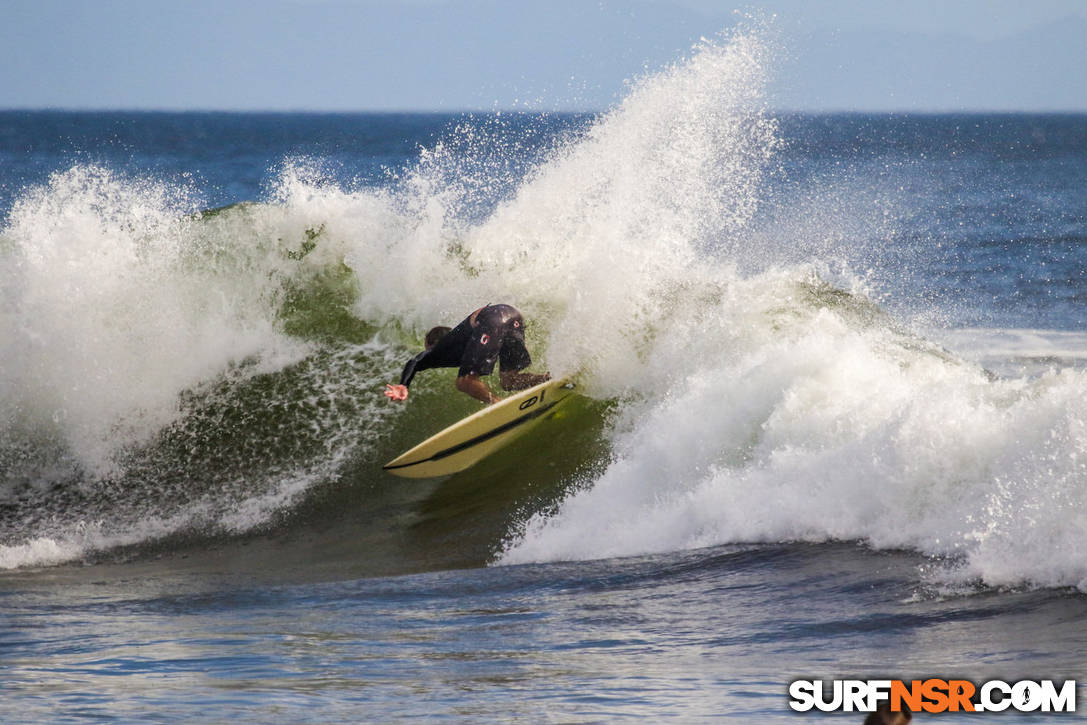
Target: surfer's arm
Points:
(400, 391)
(472, 385)
(519, 381)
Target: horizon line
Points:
(563, 111)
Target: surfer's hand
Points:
(396, 392)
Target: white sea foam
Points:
(821, 431)
(110, 314)
(42, 551)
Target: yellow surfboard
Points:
(472, 439)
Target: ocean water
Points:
(832, 422)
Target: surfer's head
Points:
(884, 716)
(433, 335)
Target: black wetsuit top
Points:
(498, 335)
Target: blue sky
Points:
(355, 55)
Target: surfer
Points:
(494, 333)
